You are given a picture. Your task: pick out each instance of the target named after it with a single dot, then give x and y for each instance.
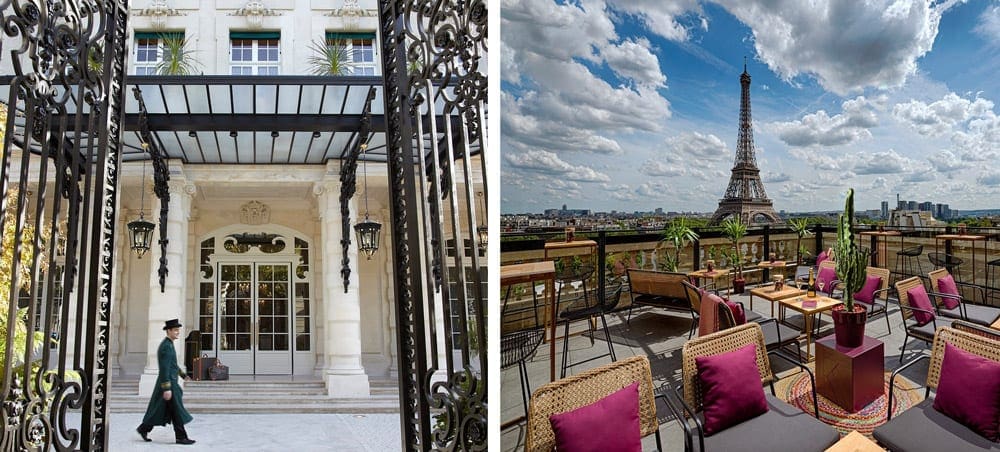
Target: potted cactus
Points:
(849, 318)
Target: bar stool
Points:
(991, 278)
(581, 310)
(906, 257)
(517, 347)
(947, 261)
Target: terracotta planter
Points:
(849, 327)
(739, 285)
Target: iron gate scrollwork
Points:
(61, 154)
(433, 58)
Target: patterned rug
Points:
(796, 390)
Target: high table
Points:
(768, 293)
(809, 307)
(529, 273)
(968, 237)
(881, 254)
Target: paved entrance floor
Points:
(660, 335)
(265, 432)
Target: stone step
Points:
(360, 406)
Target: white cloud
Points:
(661, 169)
(820, 129)
(816, 159)
(654, 190)
(988, 25)
(633, 59)
(665, 17)
(887, 162)
(946, 162)
(697, 145)
(940, 117)
(846, 45)
(991, 178)
(879, 183)
(550, 164)
(772, 177)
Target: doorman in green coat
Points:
(166, 406)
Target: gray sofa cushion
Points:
(983, 315)
(783, 428)
(924, 428)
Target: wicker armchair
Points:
(923, 332)
(782, 427)
(976, 329)
(975, 313)
(924, 428)
(577, 391)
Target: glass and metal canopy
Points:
(224, 119)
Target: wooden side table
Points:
(850, 377)
(855, 442)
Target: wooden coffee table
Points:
(855, 442)
(768, 293)
(809, 310)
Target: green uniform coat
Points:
(156, 412)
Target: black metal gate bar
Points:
(445, 41)
(58, 102)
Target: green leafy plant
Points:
(177, 58)
(800, 226)
(735, 230)
(679, 234)
(330, 58)
(851, 259)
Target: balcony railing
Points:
(980, 259)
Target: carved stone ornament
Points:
(352, 14)
(157, 11)
(255, 11)
(255, 212)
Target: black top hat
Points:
(172, 323)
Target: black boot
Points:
(185, 441)
(142, 434)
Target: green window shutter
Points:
(336, 36)
(254, 35)
(158, 34)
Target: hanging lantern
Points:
(481, 229)
(141, 231)
(367, 231)
(141, 234)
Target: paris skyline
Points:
(887, 98)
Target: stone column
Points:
(389, 295)
(119, 292)
(168, 304)
(343, 372)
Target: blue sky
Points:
(634, 104)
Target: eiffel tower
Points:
(745, 197)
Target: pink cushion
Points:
(969, 391)
(826, 276)
(732, 389)
(821, 257)
(611, 423)
(947, 285)
(918, 299)
(739, 316)
(867, 292)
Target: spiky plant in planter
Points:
(849, 319)
(735, 230)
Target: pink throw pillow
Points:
(867, 292)
(826, 276)
(611, 423)
(739, 316)
(730, 383)
(821, 257)
(947, 285)
(969, 391)
(919, 299)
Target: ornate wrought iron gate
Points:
(62, 122)
(433, 59)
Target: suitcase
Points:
(218, 371)
(201, 367)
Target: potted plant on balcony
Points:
(800, 226)
(680, 235)
(330, 58)
(177, 58)
(849, 318)
(735, 230)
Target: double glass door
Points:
(254, 318)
